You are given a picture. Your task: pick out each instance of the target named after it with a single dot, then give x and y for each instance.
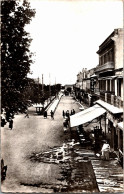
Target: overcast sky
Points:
(67, 33)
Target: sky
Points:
(67, 34)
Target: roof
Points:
(109, 107)
(108, 39)
(87, 115)
(38, 105)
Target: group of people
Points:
(7, 117)
(51, 113)
(67, 114)
(3, 122)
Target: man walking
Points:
(52, 114)
(26, 114)
(11, 124)
(45, 114)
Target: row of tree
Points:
(36, 93)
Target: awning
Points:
(120, 125)
(38, 105)
(109, 107)
(87, 115)
(107, 78)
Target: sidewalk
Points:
(109, 174)
(54, 104)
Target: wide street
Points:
(40, 156)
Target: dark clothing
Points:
(45, 114)
(65, 123)
(73, 111)
(63, 113)
(3, 122)
(11, 124)
(67, 114)
(52, 114)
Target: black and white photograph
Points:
(62, 96)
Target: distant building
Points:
(37, 80)
(69, 87)
(86, 86)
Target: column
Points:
(115, 87)
(106, 85)
(105, 124)
(110, 85)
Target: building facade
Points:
(87, 86)
(110, 76)
(103, 85)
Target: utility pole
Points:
(42, 85)
(49, 87)
(55, 87)
(42, 91)
(38, 89)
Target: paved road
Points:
(32, 136)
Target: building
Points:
(110, 76)
(103, 85)
(110, 68)
(87, 86)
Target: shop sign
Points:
(92, 84)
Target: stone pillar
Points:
(105, 97)
(107, 125)
(106, 85)
(115, 87)
(112, 99)
(110, 85)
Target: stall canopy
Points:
(87, 115)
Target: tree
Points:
(15, 54)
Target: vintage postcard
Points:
(62, 96)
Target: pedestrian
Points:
(65, 125)
(2, 163)
(105, 151)
(3, 122)
(52, 114)
(26, 114)
(63, 113)
(45, 114)
(11, 124)
(73, 111)
(67, 113)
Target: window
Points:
(119, 87)
(108, 85)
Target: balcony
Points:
(111, 99)
(109, 66)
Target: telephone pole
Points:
(42, 85)
(49, 87)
